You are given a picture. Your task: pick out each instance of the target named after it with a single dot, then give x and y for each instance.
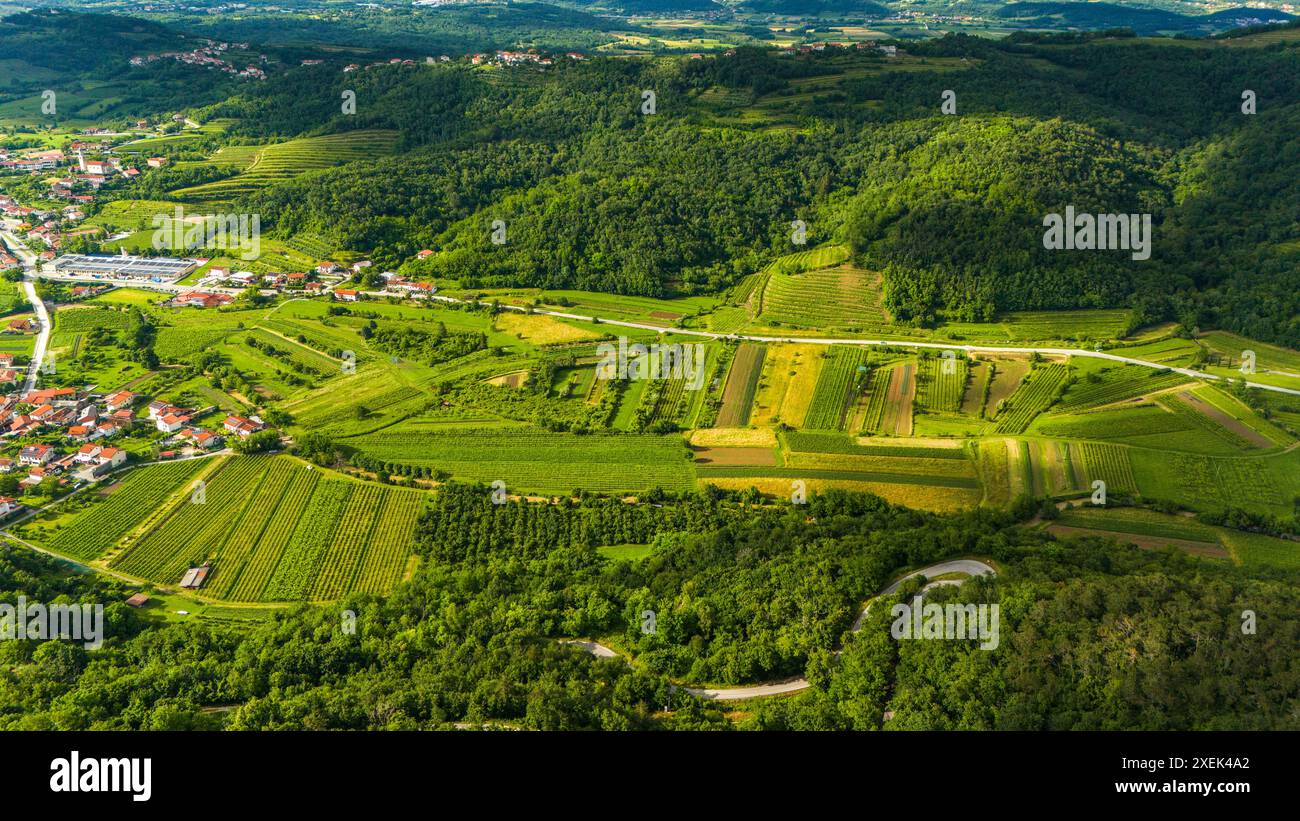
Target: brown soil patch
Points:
(765, 457)
(1211, 549)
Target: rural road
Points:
(897, 343)
(42, 336)
(972, 567)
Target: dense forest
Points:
(1094, 636)
(595, 194)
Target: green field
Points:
(534, 461)
(842, 375)
(275, 529)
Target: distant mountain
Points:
(1086, 15)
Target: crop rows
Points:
(194, 532)
(390, 542)
(1117, 385)
(540, 461)
(742, 382)
(282, 161)
(1034, 396)
(843, 297)
(1111, 464)
(348, 544)
(101, 525)
(836, 386)
(877, 393)
(249, 581)
(245, 538)
(310, 542)
(941, 383)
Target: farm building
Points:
(195, 577)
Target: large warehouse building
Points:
(108, 266)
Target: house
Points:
(36, 454)
(6, 464)
(345, 295)
(326, 267)
(22, 326)
(80, 432)
(88, 454)
(171, 423)
(241, 426)
(8, 375)
(202, 299)
(138, 600)
(425, 254)
(112, 457)
(43, 413)
(156, 407)
(59, 397)
(358, 266)
(204, 439)
(119, 400)
(7, 506)
(156, 162)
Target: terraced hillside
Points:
(282, 161)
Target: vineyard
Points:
(1110, 464)
(877, 394)
(1116, 385)
(839, 297)
(1036, 395)
(96, 528)
(282, 161)
(941, 383)
(841, 378)
(275, 530)
(537, 461)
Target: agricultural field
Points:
(788, 383)
(896, 420)
(941, 384)
(283, 161)
(1115, 384)
(86, 526)
(843, 374)
(535, 461)
(1039, 390)
(742, 384)
(276, 529)
(836, 297)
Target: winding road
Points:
(972, 567)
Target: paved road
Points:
(972, 567)
(896, 343)
(42, 336)
(30, 264)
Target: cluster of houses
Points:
(861, 45)
(213, 55)
(505, 58)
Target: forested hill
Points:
(1152, 639)
(599, 196)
